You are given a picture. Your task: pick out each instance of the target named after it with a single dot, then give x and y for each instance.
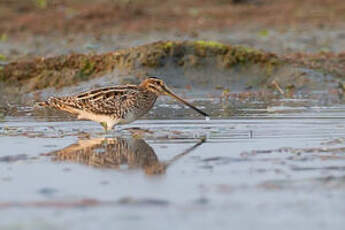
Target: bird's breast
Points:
(138, 108)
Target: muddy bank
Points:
(66, 70)
(202, 64)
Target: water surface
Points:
(281, 167)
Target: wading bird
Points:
(115, 105)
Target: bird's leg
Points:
(105, 126)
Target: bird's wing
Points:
(102, 101)
(105, 93)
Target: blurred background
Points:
(51, 27)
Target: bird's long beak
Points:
(168, 92)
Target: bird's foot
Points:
(105, 126)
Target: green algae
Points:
(209, 44)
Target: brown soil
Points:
(106, 16)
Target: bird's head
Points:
(155, 85)
(158, 87)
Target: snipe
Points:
(115, 105)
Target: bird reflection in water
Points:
(114, 153)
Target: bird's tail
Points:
(42, 104)
(51, 102)
(57, 103)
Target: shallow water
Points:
(262, 169)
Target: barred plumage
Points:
(115, 105)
